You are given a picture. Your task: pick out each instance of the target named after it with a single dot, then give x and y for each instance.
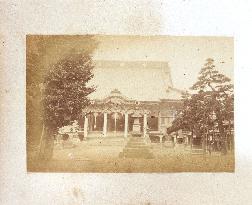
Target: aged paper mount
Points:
(147, 185)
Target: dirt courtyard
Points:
(103, 157)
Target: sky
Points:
(185, 55)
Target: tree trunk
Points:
(46, 144)
(223, 137)
(231, 140)
(191, 140)
(41, 143)
(204, 143)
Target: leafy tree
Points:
(43, 51)
(58, 68)
(65, 93)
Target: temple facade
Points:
(151, 107)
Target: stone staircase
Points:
(196, 150)
(107, 141)
(136, 148)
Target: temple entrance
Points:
(95, 122)
(98, 125)
(152, 122)
(116, 115)
(115, 122)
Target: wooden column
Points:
(85, 126)
(126, 125)
(159, 121)
(145, 125)
(95, 117)
(105, 121)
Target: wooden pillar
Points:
(126, 125)
(95, 117)
(85, 126)
(160, 139)
(105, 121)
(159, 121)
(90, 122)
(145, 125)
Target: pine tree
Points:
(210, 104)
(217, 91)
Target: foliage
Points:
(43, 51)
(65, 93)
(209, 105)
(57, 70)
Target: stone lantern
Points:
(136, 130)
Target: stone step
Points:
(107, 145)
(105, 138)
(136, 138)
(136, 150)
(137, 146)
(197, 151)
(136, 143)
(130, 140)
(169, 144)
(133, 140)
(136, 155)
(107, 142)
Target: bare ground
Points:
(105, 160)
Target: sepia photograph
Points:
(125, 102)
(129, 104)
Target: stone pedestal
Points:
(136, 126)
(136, 129)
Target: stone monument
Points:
(136, 130)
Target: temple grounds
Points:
(99, 155)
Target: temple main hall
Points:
(132, 98)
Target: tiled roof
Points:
(138, 80)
